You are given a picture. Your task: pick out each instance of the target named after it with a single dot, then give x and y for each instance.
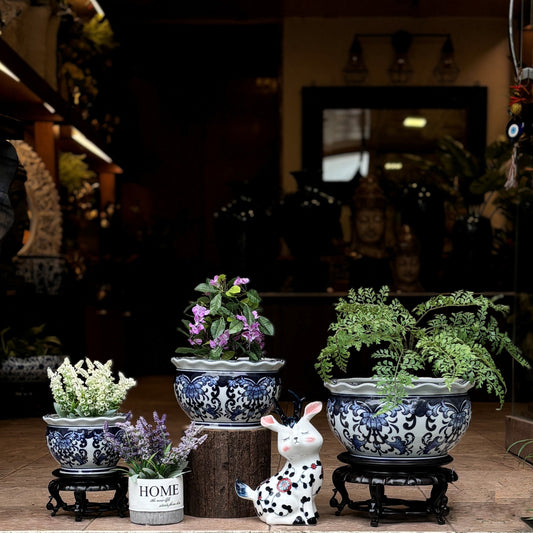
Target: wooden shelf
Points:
(24, 101)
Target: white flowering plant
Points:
(225, 322)
(148, 450)
(87, 391)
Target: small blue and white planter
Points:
(429, 422)
(231, 394)
(78, 444)
(32, 369)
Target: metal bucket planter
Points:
(227, 394)
(156, 502)
(422, 430)
(78, 445)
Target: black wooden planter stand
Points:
(80, 485)
(378, 474)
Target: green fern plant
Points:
(454, 337)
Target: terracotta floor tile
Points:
(493, 492)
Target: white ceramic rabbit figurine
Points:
(288, 497)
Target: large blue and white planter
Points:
(78, 444)
(423, 429)
(231, 394)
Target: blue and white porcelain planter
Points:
(227, 394)
(78, 445)
(429, 422)
(28, 369)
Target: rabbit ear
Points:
(312, 409)
(270, 422)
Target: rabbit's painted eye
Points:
(287, 438)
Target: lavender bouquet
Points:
(148, 451)
(225, 321)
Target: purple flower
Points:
(241, 281)
(147, 449)
(196, 327)
(221, 340)
(251, 332)
(214, 281)
(199, 312)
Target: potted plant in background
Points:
(86, 397)
(25, 355)
(396, 414)
(224, 379)
(156, 468)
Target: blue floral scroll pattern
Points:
(199, 397)
(75, 448)
(420, 427)
(249, 399)
(223, 399)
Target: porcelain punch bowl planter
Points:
(29, 369)
(78, 445)
(231, 394)
(422, 430)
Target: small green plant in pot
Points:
(25, 354)
(31, 342)
(224, 377)
(452, 337)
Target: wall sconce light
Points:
(446, 70)
(400, 71)
(355, 70)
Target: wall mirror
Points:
(346, 130)
(352, 132)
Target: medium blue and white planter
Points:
(231, 394)
(423, 429)
(78, 444)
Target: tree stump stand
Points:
(209, 487)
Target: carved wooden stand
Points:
(377, 476)
(115, 480)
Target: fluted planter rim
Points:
(242, 364)
(421, 386)
(83, 421)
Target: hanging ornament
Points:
(520, 126)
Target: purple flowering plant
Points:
(225, 321)
(148, 450)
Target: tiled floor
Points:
(493, 492)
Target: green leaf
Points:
(235, 326)
(233, 291)
(205, 287)
(247, 312)
(217, 328)
(215, 304)
(253, 299)
(265, 326)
